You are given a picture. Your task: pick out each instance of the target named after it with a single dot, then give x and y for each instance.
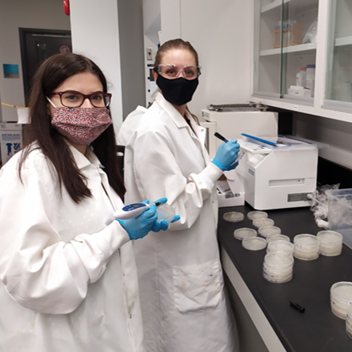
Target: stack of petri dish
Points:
(280, 246)
(267, 231)
(306, 247)
(256, 214)
(233, 216)
(254, 243)
(330, 243)
(341, 298)
(244, 232)
(349, 322)
(278, 267)
(263, 222)
(280, 237)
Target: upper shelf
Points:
(290, 49)
(343, 41)
(294, 6)
(273, 5)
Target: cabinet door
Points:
(338, 93)
(284, 46)
(299, 53)
(268, 48)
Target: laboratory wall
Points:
(15, 14)
(95, 33)
(112, 36)
(337, 134)
(221, 32)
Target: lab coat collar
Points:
(171, 111)
(178, 119)
(84, 160)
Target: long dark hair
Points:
(50, 75)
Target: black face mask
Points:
(177, 91)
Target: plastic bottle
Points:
(310, 78)
(289, 32)
(301, 77)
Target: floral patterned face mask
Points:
(81, 125)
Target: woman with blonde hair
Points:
(184, 305)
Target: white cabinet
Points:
(293, 34)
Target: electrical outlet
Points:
(149, 54)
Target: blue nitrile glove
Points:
(141, 225)
(226, 155)
(163, 224)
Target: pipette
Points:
(132, 210)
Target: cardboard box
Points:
(230, 191)
(10, 140)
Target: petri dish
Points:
(244, 232)
(278, 267)
(307, 247)
(165, 212)
(267, 231)
(341, 298)
(280, 237)
(233, 216)
(263, 222)
(256, 214)
(280, 246)
(330, 243)
(349, 322)
(254, 243)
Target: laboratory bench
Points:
(263, 308)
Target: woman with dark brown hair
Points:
(67, 266)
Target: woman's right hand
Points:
(226, 155)
(141, 225)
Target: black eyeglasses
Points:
(73, 99)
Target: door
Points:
(36, 46)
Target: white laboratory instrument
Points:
(281, 176)
(131, 211)
(231, 122)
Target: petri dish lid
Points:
(244, 232)
(263, 222)
(306, 241)
(280, 246)
(280, 237)
(267, 231)
(233, 216)
(342, 291)
(165, 212)
(256, 214)
(254, 243)
(330, 237)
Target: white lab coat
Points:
(129, 125)
(69, 280)
(184, 306)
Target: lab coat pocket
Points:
(197, 286)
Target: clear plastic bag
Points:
(311, 35)
(319, 205)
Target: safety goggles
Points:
(172, 71)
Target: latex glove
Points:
(226, 155)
